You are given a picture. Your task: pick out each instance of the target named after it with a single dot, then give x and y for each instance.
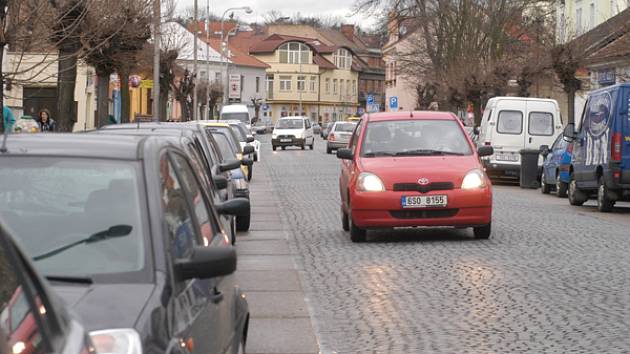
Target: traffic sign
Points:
(265, 107)
(393, 102)
(375, 107)
(370, 99)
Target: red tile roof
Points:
(238, 57)
(271, 43)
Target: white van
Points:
(510, 124)
(237, 112)
(293, 131)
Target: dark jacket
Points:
(49, 126)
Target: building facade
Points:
(306, 77)
(576, 17)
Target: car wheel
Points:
(273, 147)
(576, 196)
(357, 234)
(545, 188)
(284, 148)
(483, 232)
(345, 224)
(242, 222)
(312, 145)
(328, 150)
(604, 203)
(561, 187)
(303, 146)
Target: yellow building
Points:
(307, 77)
(576, 17)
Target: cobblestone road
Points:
(552, 278)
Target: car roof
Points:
(235, 108)
(143, 131)
(208, 123)
(408, 115)
(293, 117)
(76, 145)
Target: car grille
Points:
(286, 136)
(423, 213)
(414, 187)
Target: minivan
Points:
(510, 124)
(238, 112)
(600, 165)
(293, 131)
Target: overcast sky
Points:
(342, 8)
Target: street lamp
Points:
(248, 10)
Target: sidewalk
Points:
(268, 275)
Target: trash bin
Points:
(529, 168)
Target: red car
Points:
(413, 169)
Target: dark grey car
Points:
(123, 229)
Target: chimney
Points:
(348, 31)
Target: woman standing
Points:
(46, 123)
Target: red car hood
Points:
(409, 169)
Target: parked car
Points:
(293, 131)
(33, 319)
(555, 174)
(600, 163)
(219, 187)
(245, 137)
(339, 135)
(326, 130)
(238, 112)
(132, 242)
(413, 169)
(263, 126)
(247, 164)
(317, 129)
(226, 149)
(514, 123)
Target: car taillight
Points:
(615, 149)
(331, 137)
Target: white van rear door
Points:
(541, 124)
(508, 125)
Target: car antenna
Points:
(4, 149)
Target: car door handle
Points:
(216, 296)
(530, 139)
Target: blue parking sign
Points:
(393, 102)
(370, 99)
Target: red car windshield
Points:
(414, 138)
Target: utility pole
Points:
(196, 74)
(157, 18)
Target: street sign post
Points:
(393, 103)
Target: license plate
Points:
(424, 201)
(285, 140)
(507, 157)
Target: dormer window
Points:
(343, 59)
(294, 53)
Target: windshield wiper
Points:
(77, 279)
(112, 232)
(378, 153)
(427, 152)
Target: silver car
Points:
(339, 135)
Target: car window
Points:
(308, 123)
(414, 138)
(355, 137)
(345, 127)
(195, 159)
(206, 225)
(559, 144)
(540, 123)
(22, 309)
(72, 201)
(176, 213)
(510, 122)
(224, 145)
(240, 134)
(290, 124)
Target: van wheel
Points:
(284, 148)
(312, 145)
(604, 203)
(561, 187)
(303, 146)
(328, 151)
(483, 232)
(273, 147)
(576, 196)
(545, 188)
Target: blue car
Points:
(600, 165)
(555, 173)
